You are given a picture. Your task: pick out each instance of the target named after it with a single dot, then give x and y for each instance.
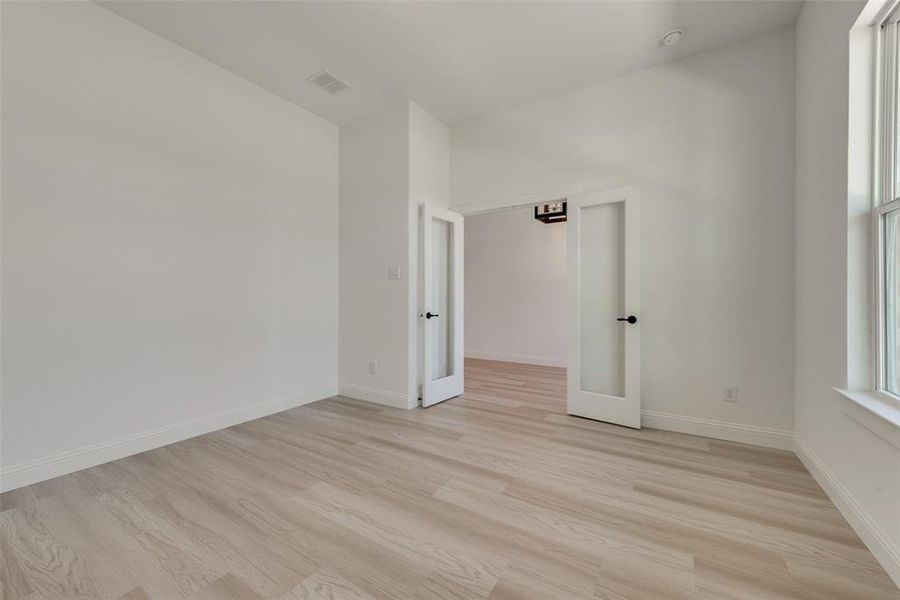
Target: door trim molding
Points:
(530, 199)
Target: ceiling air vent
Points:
(327, 82)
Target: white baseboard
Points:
(70, 461)
(545, 361)
(885, 552)
(370, 394)
(781, 439)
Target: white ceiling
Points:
(458, 60)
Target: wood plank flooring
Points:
(496, 494)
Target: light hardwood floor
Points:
(497, 494)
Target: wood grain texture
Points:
(494, 495)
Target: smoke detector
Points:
(671, 38)
(327, 82)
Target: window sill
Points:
(873, 413)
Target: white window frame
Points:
(886, 198)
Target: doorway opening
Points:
(516, 309)
(552, 295)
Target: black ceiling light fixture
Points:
(551, 212)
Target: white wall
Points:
(169, 243)
(516, 288)
(859, 469)
(374, 225)
(429, 183)
(390, 162)
(429, 159)
(710, 140)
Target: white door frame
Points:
(625, 410)
(434, 391)
(533, 199)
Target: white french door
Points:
(442, 305)
(604, 371)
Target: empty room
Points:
(431, 300)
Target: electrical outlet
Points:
(394, 272)
(373, 367)
(731, 393)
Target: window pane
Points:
(891, 301)
(442, 273)
(891, 81)
(602, 299)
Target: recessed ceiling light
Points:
(671, 38)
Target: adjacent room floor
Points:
(496, 494)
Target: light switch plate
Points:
(394, 272)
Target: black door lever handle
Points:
(630, 318)
(429, 315)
